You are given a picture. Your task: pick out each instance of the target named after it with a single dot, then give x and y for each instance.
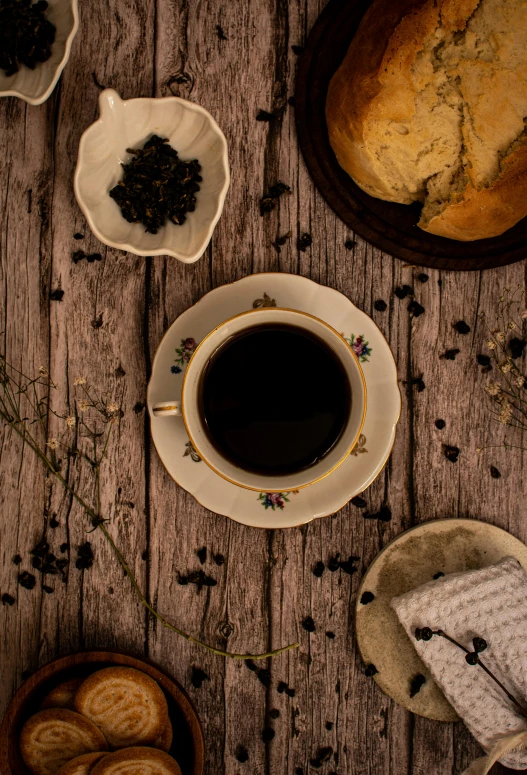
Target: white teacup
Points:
(188, 405)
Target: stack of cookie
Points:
(113, 723)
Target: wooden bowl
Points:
(187, 748)
(389, 226)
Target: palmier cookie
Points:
(164, 742)
(137, 761)
(127, 706)
(82, 765)
(62, 695)
(52, 737)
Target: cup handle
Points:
(167, 408)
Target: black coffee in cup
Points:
(274, 399)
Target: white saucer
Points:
(352, 477)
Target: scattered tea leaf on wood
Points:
(462, 327)
(219, 31)
(418, 681)
(41, 549)
(157, 186)
(329, 725)
(77, 256)
(450, 355)
(304, 242)
(438, 574)
(440, 424)
(264, 676)
(53, 522)
(330, 635)
(516, 347)
(350, 244)
(367, 597)
(268, 201)
(415, 309)
(359, 502)
(26, 36)
(202, 554)
(451, 453)
(334, 563)
(308, 624)
(242, 754)
(27, 580)
(264, 115)
(267, 734)
(319, 569)
(250, 665)
(282, 686)
(380, 305)
(290, 692)
(423, 277)
(370, 671)
(17, 559)
(219, 559)
(47, 590)
(84, 556)
(494, 472)
(274, 713)
(57, 294)
(78, 235)
(402, 291)
(348, 566)
(93, 257)
(383, 515)
(197, 677)
(7, 599)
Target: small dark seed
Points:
(480, 644)
(418, 681)
(53, 522)
(472, 658)
(494, 472)
(426, 634)
(242, 754)
(483, 360)
(350, 244)
(462, 327)
(370, 671)
(78, 235)
(282, 686)
(7, 599)
(451, 453)
(359, 502)
(17, 559)
(423, 278)
(329, 725)
(380, 305)
(304, 242)
(440, 424)
(367, 597)
(267, 734)
(219, 559)
(330, 635)
(197, 677)
(47, 589)
(202, 554)
(415, 309)
(334, 563)
(308, 624)
(27, 580)
(78, 255)
(222, 36)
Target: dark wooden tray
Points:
(187, 748)
(390, 227)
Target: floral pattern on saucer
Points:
(359, 448)
(360, 347)
(275, 500)
(190, 451)
(184, 354)
(266, 301)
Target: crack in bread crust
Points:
(434, 113)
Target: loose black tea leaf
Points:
(451, 453)
(27, 580)
(380, 305)
(440, 424)
(56, 295)
(323, 755)
(450, 355)
(308, 624)
(267, 204)
(197, 677)
(219, 559)
(268, 201)
(359, 502)
(480, 644)
(78, 235)
(418, 681)
(157, 186)
(384, 515)
(370, 671)
(264, 676)
(274, 713)
(462, 327)
(348, 566)
(26, 36)
(350, 244)
(202, 554)
(290, 692)
(41, 549)
(93, 257)
(61, 564)
(53, 522)
(438, 574)
(494, 472)
(48, 590)
(424, 633)
(483, 360)
(197, 577)
(222, 36)
(264, 115)
(298, 50)
(329, 725)
(282, 686)
(330, 635)
(77, 256)
(472, 658)
(36, 562)
(415, 309)
(17, 559)
(423, 278)
(402, 291)
(84, 556)
(304, 242)
(267, 734)
(278, 189)
(7, 599)
(516, 347)
(319, 569)
(367, 597)
(242, 754)
(334, 563)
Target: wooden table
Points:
(107, 327)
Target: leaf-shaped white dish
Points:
(35, 86)
(194, 134)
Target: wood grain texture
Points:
(111, 319)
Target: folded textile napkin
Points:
(490, 603)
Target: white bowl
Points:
(35, 86)
(194, 134)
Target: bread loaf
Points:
(430, 105)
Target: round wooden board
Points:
(410, 560)
(389, 226)
(188, 745)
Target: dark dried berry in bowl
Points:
(157, 186)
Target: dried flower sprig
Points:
(506, 340)
(471, 657)
(83, 435)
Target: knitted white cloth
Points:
(490, 603)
